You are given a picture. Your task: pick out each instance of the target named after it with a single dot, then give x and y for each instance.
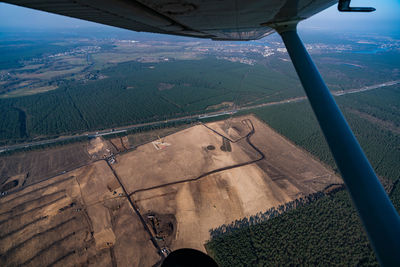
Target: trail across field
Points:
(262, 156)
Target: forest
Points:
(326, 230)
(13, 53)
(136, 92)
(160, 82)
(324, 233)
(381, 144)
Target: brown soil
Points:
(163, 227)
(226, 145)
(73, 219)
(139, 139)
(13, 182)
(83, 217)
(285, 161)
(125, 142)
(38, 165)
(118, 144)
(99, 148)
(285, 174)
(186, 157)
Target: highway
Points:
(190, 117)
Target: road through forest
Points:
(202, 116)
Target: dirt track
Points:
(261, 157)
(175, 196)
(210, 195)
(73, 219)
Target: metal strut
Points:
(344, 6)
(380, 219)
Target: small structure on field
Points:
(160, 144)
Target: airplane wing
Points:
(249, 20)
(214, 19)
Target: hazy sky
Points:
(385, 18)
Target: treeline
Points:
(325, 232)
(13, 52)
(44, 146)
(264, 216)
(382, 103)
(297, 122)
(147, 128)
(131, 94)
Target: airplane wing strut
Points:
(380, 218)
(249, 20)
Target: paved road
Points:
(203, 116)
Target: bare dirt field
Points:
(73, 220)
(37, 165)
(186, 157)
(99, 148)
(164, 181)
(138, 139)
(174, 190)
(288, 165)
(118, 144)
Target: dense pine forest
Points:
(136, 92)
(326, 231)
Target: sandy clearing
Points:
(97, 221)
(291, 162)
(209, 203)
(73, 219)
(285, 174)
(186, 157)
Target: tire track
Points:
(262, 156)
(152, 238)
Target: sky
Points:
(385, 19)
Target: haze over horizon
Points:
(384, 20)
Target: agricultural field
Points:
(33, 166)
(41, 164)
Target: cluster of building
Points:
(243, 60)
(78, 50)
